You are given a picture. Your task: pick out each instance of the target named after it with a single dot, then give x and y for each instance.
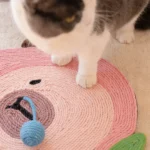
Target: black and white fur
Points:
(43, 23)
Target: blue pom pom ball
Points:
(32, 133)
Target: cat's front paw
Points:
(61, 60)
(86, 81)
(125, 37)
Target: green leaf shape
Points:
(134, 142)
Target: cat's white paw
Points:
(86, 81)
(61, 61)
(125, 37)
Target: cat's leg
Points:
(125, 34)
(87, 72)
(61, 60)
(88, 59)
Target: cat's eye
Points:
(70, 19)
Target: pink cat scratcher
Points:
(74, 118)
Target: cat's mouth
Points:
(14, 111)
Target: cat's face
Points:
(57, 27)
(50, 18)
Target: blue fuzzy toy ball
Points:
(32, 133)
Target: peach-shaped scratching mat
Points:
(74, 118)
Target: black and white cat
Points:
(65, 28)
